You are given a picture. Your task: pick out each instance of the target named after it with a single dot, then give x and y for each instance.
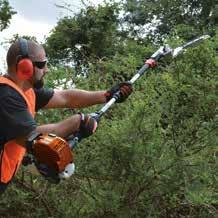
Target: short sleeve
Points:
(42, 97)
(15, 119)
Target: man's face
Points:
(40, 69)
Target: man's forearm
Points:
(63, 128)
(76, 98)
(81, 98)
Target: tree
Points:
(165, 15)
(154, 155)
(6, 13)
(91, 34)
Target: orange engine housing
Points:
(53, 151)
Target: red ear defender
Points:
(24, 69)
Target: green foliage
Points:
(15, 37)
(6, 12)
(201, 15)
(154, 155)
(93, 30)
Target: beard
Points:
(38, 84)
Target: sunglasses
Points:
(39, 64)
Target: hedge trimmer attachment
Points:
(62, 167)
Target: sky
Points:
(36, 18)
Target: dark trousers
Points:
(3, 187)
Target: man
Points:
(22, 94)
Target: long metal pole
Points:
(150, 63)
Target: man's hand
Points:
(88, 125)
(125, 89)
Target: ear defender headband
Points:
(24, 64)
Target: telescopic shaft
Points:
(150, 63)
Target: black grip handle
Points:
(74, 139)
(117, 95)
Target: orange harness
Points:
(12, 153)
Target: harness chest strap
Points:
(12, 153)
